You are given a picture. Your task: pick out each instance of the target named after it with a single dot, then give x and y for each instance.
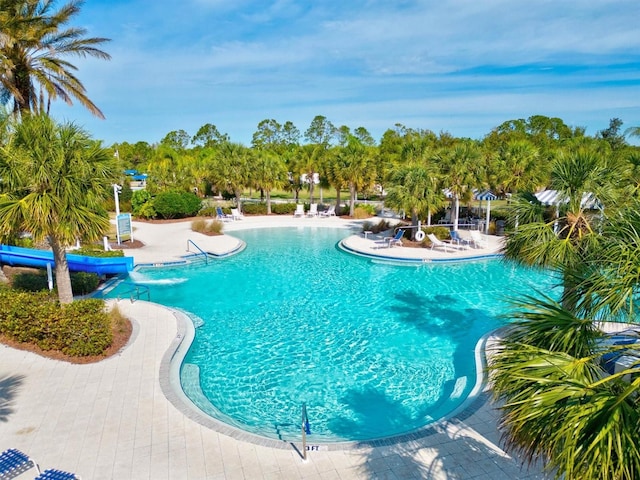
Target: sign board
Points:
(123, 227)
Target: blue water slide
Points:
(29, 257)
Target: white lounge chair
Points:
(299, 210)
(477, 240)
(313, 210)
(329, 212)
(236, 215)
(437, 243)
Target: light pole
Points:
(116, 190)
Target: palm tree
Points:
(232, 169)
(562, 239)
(559, 404)
(269, 172)
(415, 189)
(55, 180)
(460, 165)
(35, 43)
(358, 168)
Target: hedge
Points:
(78, 329)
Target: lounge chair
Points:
(476, 239)
(458, 240)
(220, 215)
(313, 210)
(53, 474)
(329, 212)
(13, 463)
(437, 243)
(236, 215)
(299, 210)
(395, 240)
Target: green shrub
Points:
(98, 252)
(138, 199)
(30, 282)
(82, 283)
(207, 212)
(442, 233)
(367, 208)
(147, 211)
(80, 328)
(85, 328)
(256, 208)
(174, 204)
(283, 208)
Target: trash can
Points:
(499, 227)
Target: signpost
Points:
(123, 226)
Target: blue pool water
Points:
(374, 350)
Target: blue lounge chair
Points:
(458, 240)
(53, 474)
(396, 239)
(13, 463)
(220, 215)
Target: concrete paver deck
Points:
(112, 419)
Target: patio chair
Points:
(220, 215)
(329, 212)
(437, 243)
(53, 474)
(395, 240)
(299, 210)
(236, 214)
(458, 240)
(477, 240)
(313, 210)
(13, 463)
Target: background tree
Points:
(358, 168)
(178, 140)
(36, 43)
(233, 172)
(209, 136)
(55, 180)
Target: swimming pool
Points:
(373, 350)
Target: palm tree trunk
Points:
(456, 211)
(63, 279)
(268, 195)
(238, 201)
(352, 199)
(337, 199)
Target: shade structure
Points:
(479, 195)
(553, 197)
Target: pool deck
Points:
(112, 419)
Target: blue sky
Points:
(461, 66)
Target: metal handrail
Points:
(135, 291)
(206, 257)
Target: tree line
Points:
(412, 166)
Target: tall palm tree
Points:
(563, 239)
(358, 168)
(35, 43)
(232, 169)
(460, 167)
(558, 403)
(269, 172)
(55, 180)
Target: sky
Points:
(456, 66)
